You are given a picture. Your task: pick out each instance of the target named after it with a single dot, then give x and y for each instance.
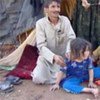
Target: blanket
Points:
(26, 64)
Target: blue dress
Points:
(76, 73)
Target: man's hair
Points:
(48, 2)
(79, 46)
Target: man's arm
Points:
(85, 4)
(42, 43)
(42, 46)
(70, 34)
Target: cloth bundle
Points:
(26, 64)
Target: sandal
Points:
(13, 80)
(6, 87)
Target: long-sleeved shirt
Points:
(53, 39)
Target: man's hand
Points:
(59, 60)
(85, 4)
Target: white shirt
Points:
(53, 39)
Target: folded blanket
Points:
(26, 64)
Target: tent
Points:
(12, 59)
(67, 7)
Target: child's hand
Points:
(54, 87)
(92, 85)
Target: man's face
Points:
(53, 10)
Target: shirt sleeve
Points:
(42, 43)
(70, 34)
(90, 63)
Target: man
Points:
(53, 36)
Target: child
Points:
(79, 69)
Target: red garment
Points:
(27, 63)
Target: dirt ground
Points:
(29, 91)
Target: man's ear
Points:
(45, 11)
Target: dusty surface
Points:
(28, 91)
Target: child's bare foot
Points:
(95, 92)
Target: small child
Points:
(78, 69)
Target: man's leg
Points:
(44, 72)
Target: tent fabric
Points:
(17, 16)
(14, 57)
(85, 23)
(7, 68)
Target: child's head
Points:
(80, 49)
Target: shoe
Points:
(13, 80)
(6, 87)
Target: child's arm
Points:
(60, 76)
(91, 78)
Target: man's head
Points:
(48, 2)
(52, 7)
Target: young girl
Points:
(79, 69)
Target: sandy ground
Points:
(29, 91)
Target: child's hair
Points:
(48, 2)
(78, 47)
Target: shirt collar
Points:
(50, 22)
